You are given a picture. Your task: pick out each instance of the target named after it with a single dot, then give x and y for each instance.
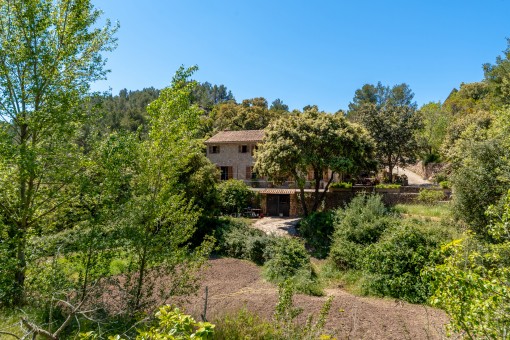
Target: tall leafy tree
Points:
(435, 126)
(295, 144)
(160, 219)
(50, 51)
(498, 76)
(393, 129)
(380, 95)
(206, 95)
(278, 105)
(251, 114)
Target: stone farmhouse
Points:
(232, 152)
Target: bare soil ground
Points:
(235, 284)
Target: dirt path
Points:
(412, 178)
(235, 284)
(279, 226)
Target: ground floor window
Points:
(225, 173)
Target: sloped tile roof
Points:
(278, 191)
(236, 136)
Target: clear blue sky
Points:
(306, 52)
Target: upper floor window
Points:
(243, 148)
(214, 149)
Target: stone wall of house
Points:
(230, 156)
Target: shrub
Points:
(316, 229)
(235, 238)
(445, 185)
(388, 186)
(361, 223)
(234, 196)
(341, 185)
(289, 260)
(287, 257)
(393, 264)
(428, 196)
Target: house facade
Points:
(232, 152)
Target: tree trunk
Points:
(141, 276)
(390, 169)
(303, 201)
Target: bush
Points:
(234, 196)
(341, 185)
(361, 223)
(445, 185)
(316, 229)
(428, 196)
(289, 260)
(393, 265)
(235, 238)
(388, 186)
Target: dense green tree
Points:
(50, 51)
(159, 220)
(471, 98)
(234, 196)
(473, 283)
(206, 96)
(498, 77)
(278, 105)
(295, 144)
(393, 129)
(126, 111)
(251, 114)
(380, 96)
(435, 126)
(481, 168)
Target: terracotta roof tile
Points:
(236, 136)
(278, 191)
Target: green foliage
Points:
(393, 129)
(312, 141)
(206, 95)
(430, 196)
(286, 313)
(388, 186)
(316, 229)
(289, 260)
(393, 264)
(379, 95)
(445, 185)
(235, 238)
(246, 325)
(361, 223)
(497, 77)
(47, 68)
(441, 211)
(172, 324)
(251, 114)
(435, 126)
(234, 196)
(479, 181)
(287, 257)
(341, 185)
(382, 254)
(472, 285)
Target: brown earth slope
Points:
(236, 284)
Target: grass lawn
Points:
(438, 211)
